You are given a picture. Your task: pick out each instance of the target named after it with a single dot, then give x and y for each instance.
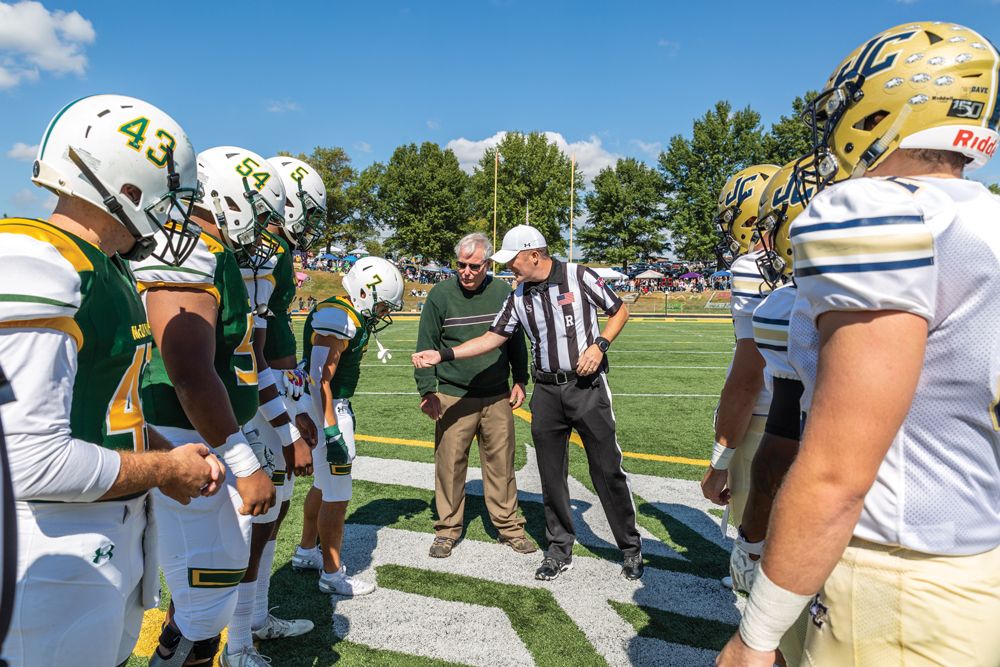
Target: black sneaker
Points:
(552, 568)
(633, 568)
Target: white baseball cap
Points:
(517, 239)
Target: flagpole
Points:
(496, 169)
(572, 177)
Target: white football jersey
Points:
(770, 332)
(749, 290)
(930, 247)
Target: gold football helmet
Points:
(920, 85)
(779, 205)
(738, 211)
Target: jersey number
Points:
(125, 412)
(246, 347)
(135, 130)
(246, 169)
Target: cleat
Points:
(342, 584)
(306, 560)
(278, 628)
(248, 657)
(521, 544)
(552, 568)
(633, 568)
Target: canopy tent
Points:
(328, 256)
(337, 251)
(432, 268)
(360, 252)
(610, 274)
(721, 274)
(351, 259)
(445, 269)
(691, 275)
(649, 274)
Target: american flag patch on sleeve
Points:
(564, 299)
(600, 282)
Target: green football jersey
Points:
(212, 268)
(280, 341)
(59, 281)
(337, 317)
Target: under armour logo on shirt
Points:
(99, 554)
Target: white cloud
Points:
(281, 107)
(671, 47)
(23, 152)
(49, 204)
(431, 124)
(363, 146)
(23, 199)
(33, 39)
(591, 157)
(652, 149)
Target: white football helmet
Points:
(373, 281)
(305, 200)
(97, 145)
(243, 192)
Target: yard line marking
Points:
(665, 352)
(394, 441)
(575, 438)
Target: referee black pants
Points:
(584, 405)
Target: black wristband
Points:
(607, 343)
(447, 354)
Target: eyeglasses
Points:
(473, 267)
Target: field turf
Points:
(665, 377)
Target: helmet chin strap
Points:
(143, 247)
(881, 145)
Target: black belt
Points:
(559, 377)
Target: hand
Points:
(307, 428)
(426, 359)
(218, 476)
(589, 361)
(294, 381)
(298, 458)
(190, 472)
(430, 405)
(738, 654)
(257, 493)
(713, 486)
(337, 453)
(516, 395)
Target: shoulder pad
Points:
(41, 271)
(334, 319)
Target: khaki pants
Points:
(491, 421)
(739, 468)
(890, 606)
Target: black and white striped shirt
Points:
(559, 315)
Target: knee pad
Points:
(206, 648)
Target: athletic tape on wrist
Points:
(769, 613)
(287, 433)
(273, 408)
(447, 354)
(265, 379)
(238, 455)
(721, 455)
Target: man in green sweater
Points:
(472, 398)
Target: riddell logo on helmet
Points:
(969, 139)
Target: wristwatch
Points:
(603, 343)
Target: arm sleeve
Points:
(198, 271)
(428, 338)
(864, 246)
(46, 462)
(784, 414)
(317, 362)
(517, 355)
(597, 291)
(506, 321)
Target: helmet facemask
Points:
(770, 264)
(253, 245)
(305, 230)
(818, 168)
(375, 321)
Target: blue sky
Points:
(611, 79)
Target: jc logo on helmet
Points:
(870, 61)
(789, 194)
(741, 191)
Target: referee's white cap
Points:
(517, 239)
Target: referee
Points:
(557, 302)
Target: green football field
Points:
(482, 605)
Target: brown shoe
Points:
(442, 547)
(521, 544)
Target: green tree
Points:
(789, 137)
(361, 227)
(421, 195)
(535, 172)
(626, 220)
(694, 171)
(994, 188)
(334, 166)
